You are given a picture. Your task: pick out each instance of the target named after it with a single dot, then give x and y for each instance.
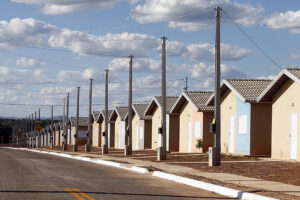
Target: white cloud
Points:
(294, 56)
(22, 75)
(288, 20)
(19, 32)
(29, 62)
(72, 75)
(174, 48)
(191, 15)
(206, 74)
(121, 45)
(270, 77)
(57, 7)
(206, 51)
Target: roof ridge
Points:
(247, 79)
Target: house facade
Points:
(141, 127)
(96, 129)
(82, 130)
(194, 120)
(172, 135)
(284, 96)
(120, 124)
(245, 123)
(110, 129)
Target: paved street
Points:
(28, 175)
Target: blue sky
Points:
(68, 42)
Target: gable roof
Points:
(82, 121)
(275, 85)
(248, 90)
(102, 115)
(157, 102)
(95, 115)
(196, 98)
(139, 110)
(119, 111)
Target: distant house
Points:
(194, 120)
(141, 127)
(154, 110)
(245, 124)
(48, 131)
(96, 141)
(110, 128)
(283, 93)
(118, 118)
(57, 135)
(82, 129)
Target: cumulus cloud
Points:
(19, 32)
(288, 20)
(194, 14)
(206, 51)
(121, 45)
(14, 74)
(174, 48)
(207, 73)
(73, 75)
(57, 7)
(294, 56)
(29, 62)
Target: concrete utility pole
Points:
(161, 153)
(186, 84)
(128, 148)
(51, 129)
(75, 147)
(67, 120)
(38, 132)
(35, 133)
(64, 143)
(30, 134)
(105, 146)
(216, 153)
(90, 128)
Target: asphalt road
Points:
(31, 176)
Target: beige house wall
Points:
(156, 119)
(61, 137)
(146, 125)
(261, 129)
(228, 108)
(57, 137)
(285, 102)
(117, 126)
(135, 124)
(96, 134)
(189, 115)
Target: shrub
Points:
(199, 144)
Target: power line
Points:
(253, 42)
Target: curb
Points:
(211, 187)
(239, 194)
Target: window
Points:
(243, 124)
(197, 129)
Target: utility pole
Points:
(128, 148)
(35, 134)
(216, 152)
(75, 147)
(90, 128)
(105, 146)
(38, 131)
(67, 120)
(161, 153)
(51, 129)
(64, 143)
(30, 134)
(186, 84)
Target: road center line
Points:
(74, 194)
(83, 194)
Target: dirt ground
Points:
(285, 172)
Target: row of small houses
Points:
(258, 117)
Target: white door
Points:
(190, 137)
(120, 137)
(123, 135)
(108, 132)
(137, 138)
(293, 135)
(141, 138)
(231, 134)
(168, 132)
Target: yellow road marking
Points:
(74, 194)
(83, 194)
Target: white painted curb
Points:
(139, 169)
(211, 187)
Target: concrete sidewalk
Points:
(253, 183)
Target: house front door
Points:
(293, 135)
(231, 134)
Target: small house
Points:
(283, 94)
(154, 109)
(120, 125)
(245, 124)
(110, 128)
(96, 129)
(194, 120)
(82, 129)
